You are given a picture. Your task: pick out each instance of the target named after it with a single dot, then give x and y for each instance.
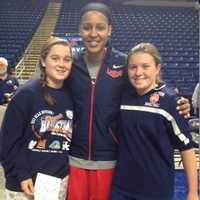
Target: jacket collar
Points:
(159, 87)
(80, 62)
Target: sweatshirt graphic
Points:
(44, 124)
(36, 137)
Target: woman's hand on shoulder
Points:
(183, 107)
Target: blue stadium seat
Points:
(173, 30)
(18, 21)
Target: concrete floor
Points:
(2, 182)
(180, 185)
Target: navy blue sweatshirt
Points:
(150, 129)
(36, 137)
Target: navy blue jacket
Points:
(36, 136)
(150, 129)
(97, 107)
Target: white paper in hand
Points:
(46, 187)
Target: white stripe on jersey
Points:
(162, 112)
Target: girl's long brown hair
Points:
(44, 53)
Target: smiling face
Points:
(95, 32)
(143, 72)
(57, 65)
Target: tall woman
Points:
(96, 83)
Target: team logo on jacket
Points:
(153, 100)
(114, 73)
(45, 125)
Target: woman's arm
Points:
(190, 167)
(14, 150)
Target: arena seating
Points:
(18, 22)
(173, 30)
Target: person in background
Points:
(37, 126)
(96, 82)
(8, 83)
(196, 100)
(150, 128)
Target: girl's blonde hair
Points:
(149, 49)
(43, 54)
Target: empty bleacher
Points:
(18, 21)
(173, 30)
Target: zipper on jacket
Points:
(93, 85)
(91, 119)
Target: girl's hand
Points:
(27, 186)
